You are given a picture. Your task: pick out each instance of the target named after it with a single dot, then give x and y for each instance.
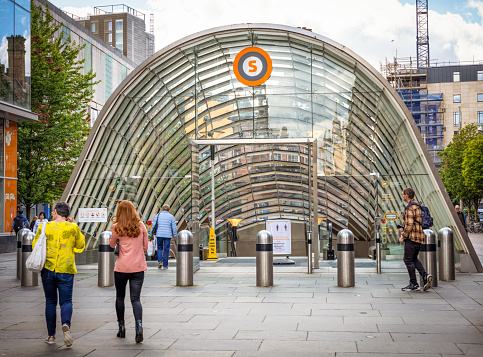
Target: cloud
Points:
(374, 29)
(79, 11)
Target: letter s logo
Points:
(252, 65)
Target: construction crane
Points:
(422, 34)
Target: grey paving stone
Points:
(281, 334)
(330, 336)
(217, 345)
(296, 347)
(457, 338)
(423, 348)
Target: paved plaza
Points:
(226, 315)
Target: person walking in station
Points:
(64, 239)
(39, 221)
(412, 236)
(166, 229)
(461, 216)
(19, 222)
(130, 265)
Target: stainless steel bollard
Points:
(20, 234)
(264, 255)
(184, 259)
(428, 256)
(105, 265)
(446, 254)
(309, 252)
(29, 278)
(345, 259)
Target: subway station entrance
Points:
(304, 132)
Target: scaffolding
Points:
(427, 109)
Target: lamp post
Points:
(234, 224)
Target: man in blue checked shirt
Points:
(166, 229)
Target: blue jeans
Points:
(163, 250)
(64, 283)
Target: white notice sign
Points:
(92, 214)
(281, 232)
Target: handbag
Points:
(36, 261)
(116, 248)
(155, 227)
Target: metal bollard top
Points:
(264, 237)
(21, 233)
(445, 233)
(105, 237)
(185, 237)
(430, 237)
(28, 238)
(345, 236)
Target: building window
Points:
(480, 97)
(94, 114)
(93, 27)
(456, 76)
(109, 37)
(456, 118)
(480, 76)
(455, 133)
(119, 35)
(480, 117)
(109, 26)
(457, 98)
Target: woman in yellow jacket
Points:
(64, 238)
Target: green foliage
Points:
(457, 176)
(48, 150)
(473, 168)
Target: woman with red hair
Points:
(130, 265)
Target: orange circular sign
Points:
(252, 66)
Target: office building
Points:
(15, 79)
(122, 27)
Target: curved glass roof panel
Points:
(368, 148)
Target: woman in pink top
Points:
(130, 265)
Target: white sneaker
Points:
(68, 340)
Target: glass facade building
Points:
(15, 81)
(368, 147)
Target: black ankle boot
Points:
(122, 330)
(139, 331)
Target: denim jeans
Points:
(135, 285)
(64, 284)
(163, 250)
(411, 251)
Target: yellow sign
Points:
(391, 216)
(212, 245)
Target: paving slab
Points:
(226, 315)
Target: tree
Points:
(473, 170)
(452, 164)
(48, 150)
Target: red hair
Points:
(127, 220)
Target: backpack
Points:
(427, 221)
(18, 224)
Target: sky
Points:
(375, 29)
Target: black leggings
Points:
(135, 285)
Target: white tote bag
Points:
(36, 261)
(151, 248)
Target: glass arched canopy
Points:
(368, 148)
